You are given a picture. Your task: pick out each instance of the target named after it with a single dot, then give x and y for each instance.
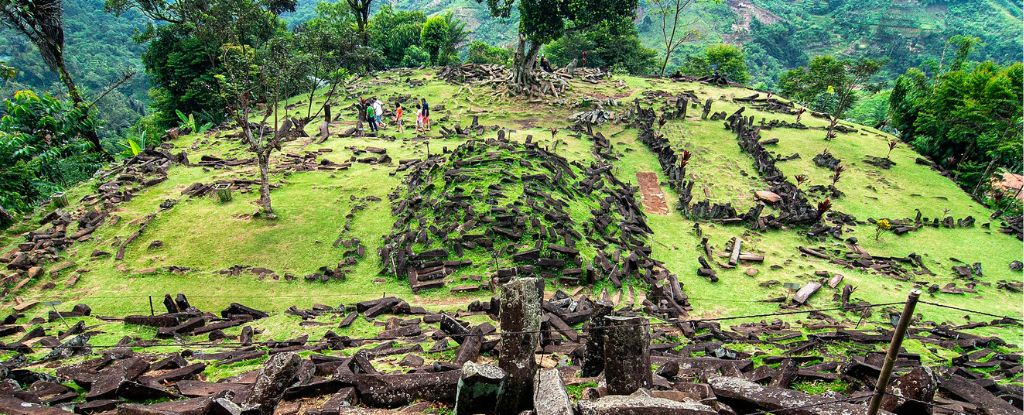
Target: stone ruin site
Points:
(608, 244)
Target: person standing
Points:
(398, 117)
(426, 114)
(371, 118)
(360, 114)
(419, 117)
(378, 109)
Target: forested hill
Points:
(99, 48)
(782, 34)
(775, 34)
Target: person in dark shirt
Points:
(426, 114)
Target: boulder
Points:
(276, 375)
(767, 196)
(910, 393)
(478, 388)
(549, 397)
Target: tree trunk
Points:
(76, 98)
(522, 71)
(664, 63)
(263, 159)
(984, 178)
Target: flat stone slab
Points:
(773, 399)
(640, 403)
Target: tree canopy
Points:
(727, 60)
(612, 44)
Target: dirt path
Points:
(653, 197)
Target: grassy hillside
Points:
(207, 237)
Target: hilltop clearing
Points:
(674, 200)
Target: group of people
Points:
(374, 111)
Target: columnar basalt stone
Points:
(627, 358)
(276, 375)
(479, 388)
(520, 318)
(550, 397)
(593, 354)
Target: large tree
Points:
(42, 22)
(612, 44)
(361, 10)
(543, 21)
(255, 77)
(393, 32)
(968, 120)
(829, 84)
(329, 49)
(184, 53)
(441, 37)
(724, 59)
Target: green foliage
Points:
(482, 53)
(727, 60)
(871, 109)
(904, 34)
(97, 49)
(41, 149)
(182, 71)
(189, 123)
(441, 37)
(415, 57)
(544, 21)
(183, 59)
(608, 44)
(963, 119)
(7, 72)
(392, 32)
(828, 84)
(329, 42)
(134, 143)
(815, 84)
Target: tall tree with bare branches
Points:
(674, 30)
(42, 22)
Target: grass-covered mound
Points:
(505, 209)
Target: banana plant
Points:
(133, 145)
(189, 122)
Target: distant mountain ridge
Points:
(776, 34)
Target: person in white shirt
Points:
(378, 109)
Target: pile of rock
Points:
(793, 208)
(499, 76)
(641, 367)
(459, 204)
(674, 164)
(60, 229)
(768, 103)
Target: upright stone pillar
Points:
(627, 356)
(519, 320)
(593, 354)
